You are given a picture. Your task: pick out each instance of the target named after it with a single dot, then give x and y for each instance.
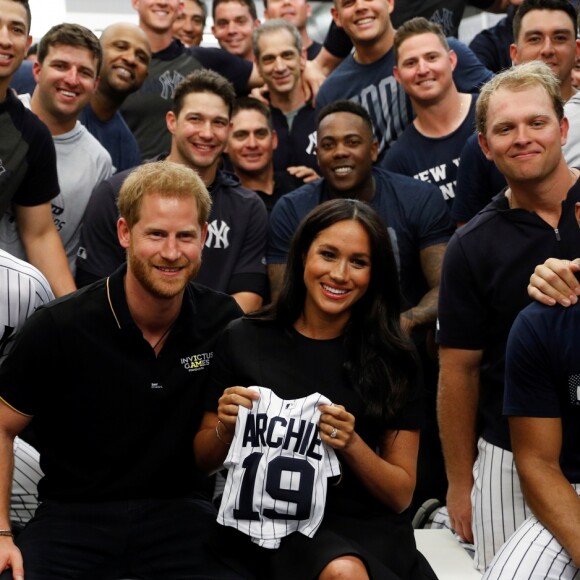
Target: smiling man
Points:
(190, 22)
(366, 75)
(199, 124)
(250, 150)
(546, 30)
(126, 58)
(487, 267)
(430, 147)
(122, 497)
(296, 12)
(28, 176)
(414, 212)
(278, 51)
(234, 22)
(69, 57)
(171, 61)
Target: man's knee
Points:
(345, 568)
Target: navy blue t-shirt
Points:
(375, 88)
(115, 137)
(478, 181)
(492, 45)
(415, 213)
(432, 159)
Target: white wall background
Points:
(94, 14)
(98, 14)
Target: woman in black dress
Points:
(334, 330)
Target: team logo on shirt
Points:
(444, 17)
(217, 235)
(2, 168)
(169, 81)
(311, 148)
(196, 362)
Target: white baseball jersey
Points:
(27, 474)
(277, 469)
(22, 290)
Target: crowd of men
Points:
(467, 154)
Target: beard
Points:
(144, 273)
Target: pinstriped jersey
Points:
(277, 469)
(23, 289)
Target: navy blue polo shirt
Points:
(114, 421)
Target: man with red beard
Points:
(121, 496)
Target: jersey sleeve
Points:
(478, 180)
(337, 41)
(249, 274)
(461, 311)
(469, 74)
(100, 253)
(234, 68)
(529, 382)
(24, 289)
(283, 224)
(40, 183)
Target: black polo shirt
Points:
(113, 421)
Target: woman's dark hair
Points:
(381, 360)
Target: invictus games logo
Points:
(196, 362)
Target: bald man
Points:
(126, 58)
